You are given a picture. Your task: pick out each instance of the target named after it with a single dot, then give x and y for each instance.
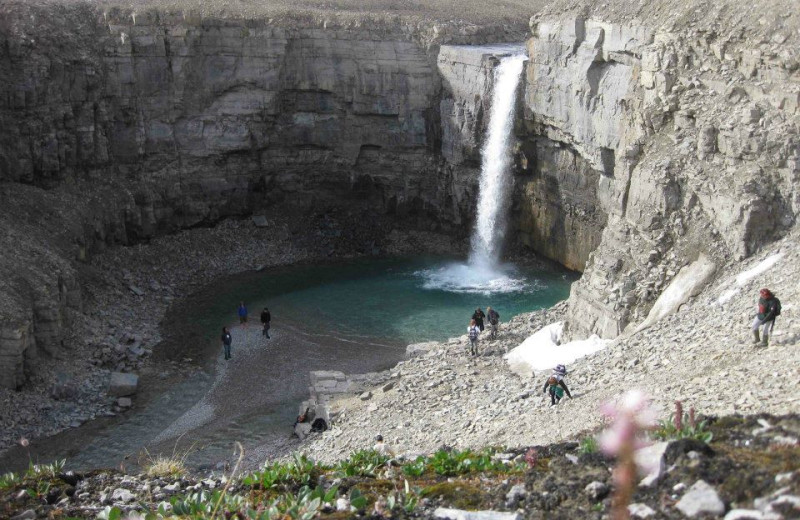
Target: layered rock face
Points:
(674, 144)
(211, 119)
(128, 125)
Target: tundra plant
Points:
(631, 419)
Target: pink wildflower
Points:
(24, 442)
(631, 417)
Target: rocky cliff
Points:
(642, 145)
(128, 124)
(644, 149)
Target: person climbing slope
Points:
(556, 386)
(473, 332)
(478, 316)
(769, 307)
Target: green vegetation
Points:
(588, 445)
(300, 471)
(9, 480)
(455, 462)
(364, 463)
(683, 426)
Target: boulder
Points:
(123, 384)
(700, 499)
(651, 460)
(420, 349)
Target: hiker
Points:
(478, 316)
(382, 448)
(473, 332)
(494, 320)
(769, 307)
(265, 319)
(556, 388)
(242, 313)
(226, 342)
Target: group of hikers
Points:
(476, 327)
(227, 339)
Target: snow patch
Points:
(690, 281)
(745, 276)
(541, 351)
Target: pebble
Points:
(640, 511)
(460, 514)
(596, 491)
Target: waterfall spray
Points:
(495, 179)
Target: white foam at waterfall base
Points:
(474, 278)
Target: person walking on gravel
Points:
(242, 313)
(473, 331)
(226, 342)
(478, 316)
(265, 319)
(769, 307)
(494, 321)
(556, 387)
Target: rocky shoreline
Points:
(128, 292)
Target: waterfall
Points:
(484, 273)
(495, 179)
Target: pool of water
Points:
(354, 316)
(396, 300)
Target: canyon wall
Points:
(131, 124)
(640, 146)
(644, 150)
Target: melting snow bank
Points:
(542, 351)
(745, 276)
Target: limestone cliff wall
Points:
(645, 148)
(128, 125)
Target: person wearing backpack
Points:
(556, 386)
(478, 317)
(769, 307)
(473, 332)
(494, 320)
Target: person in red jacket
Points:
(769, 307)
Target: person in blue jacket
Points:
(242, 313)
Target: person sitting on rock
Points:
(769, 307)
(473, 332)
(382, 448)
(478, 316)
(556, 389)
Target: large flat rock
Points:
(123, 384)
